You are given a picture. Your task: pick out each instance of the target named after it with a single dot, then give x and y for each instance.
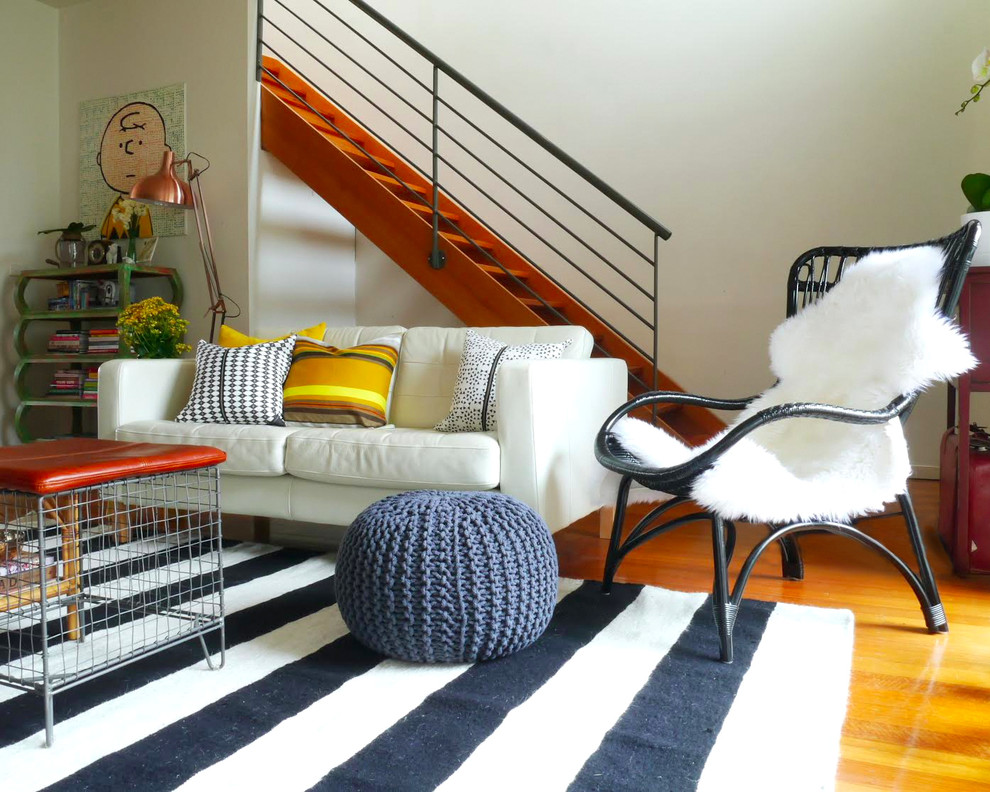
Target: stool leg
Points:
(49, 716)
(70, 565)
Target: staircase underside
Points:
(383, 197)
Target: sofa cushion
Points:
(393, 457)
(352, 336)
(333, 386)
(239, 385)
(424, 384)
(251, 450)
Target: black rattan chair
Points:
(811, 276)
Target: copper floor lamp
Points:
(165, 188)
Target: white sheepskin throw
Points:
(874, 336)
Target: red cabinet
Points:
(964, 508)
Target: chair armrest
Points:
(678, 397)
(678, 476)
(548, 414)
(142, 390)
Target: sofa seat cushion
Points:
(251, 450)
(397, 458)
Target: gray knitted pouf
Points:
(446, 577)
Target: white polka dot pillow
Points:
(239, 385)
(473, 407)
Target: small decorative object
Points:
(447, 577)
(113, 254)
(96, 251)
(146, 249)
(129, 213)
(153, 328)
(70, 247)
(110, 293)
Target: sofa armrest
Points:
(549, 412)
(142, 390)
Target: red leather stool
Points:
(108, 551)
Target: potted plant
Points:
(153, 328)
(976, 186)
(70, 247)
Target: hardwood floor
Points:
(919, 706)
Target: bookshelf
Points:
(73, 321)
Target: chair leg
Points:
(791, 562)
(612, 559)
(730, 540)
(724, 610)
(933, 611)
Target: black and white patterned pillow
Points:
(239, 385)
(473, 406)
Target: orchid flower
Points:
(981, 76)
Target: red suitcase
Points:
(967, 539)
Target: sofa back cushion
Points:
(430, 356)
(343, 337)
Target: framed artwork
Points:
(146, 249)
(122, 139)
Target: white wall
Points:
(29, 162)
(111, 47)
(753, 130)
(305, 270)
(386, 294)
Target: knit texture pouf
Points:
(447, 577)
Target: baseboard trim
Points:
(924, 471)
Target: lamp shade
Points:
(163, 188)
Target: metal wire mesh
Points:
(99, 576)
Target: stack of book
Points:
(104, 341)
(91, 384)
(67, 383)
(75, 295)
(68, 341)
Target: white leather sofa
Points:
(542, 453)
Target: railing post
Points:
(258, 44)
(656, 314)
(437, 257)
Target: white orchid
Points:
(981, 76)
(128, 213)
(981, 66)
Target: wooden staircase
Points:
(388, 201)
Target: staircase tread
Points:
(388, 180)
(428, 210)
(353, 151)
(459, 239)
(535, 303)
(496, 270)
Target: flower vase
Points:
(132, 248)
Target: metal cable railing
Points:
(369, 73)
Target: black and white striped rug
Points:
(621, 693)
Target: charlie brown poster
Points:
(122, 139)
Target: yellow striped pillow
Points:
(344, 387)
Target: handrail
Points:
(516, 121)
